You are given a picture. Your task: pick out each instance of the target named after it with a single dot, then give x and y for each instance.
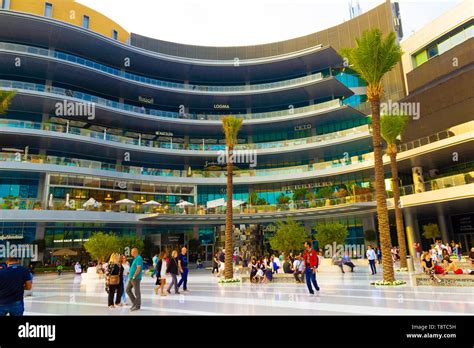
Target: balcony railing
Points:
(316, 167)
(18, 48)
(52, 127)
(165, 208)
(68, 94)
(78, 205)
(437, 184)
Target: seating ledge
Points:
(461, 280)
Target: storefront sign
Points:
(302, 127)
(310, 185)
(121, 185)
(164, 134)
(221, 106)
(173, 239)
(463, 223)
(145, 99)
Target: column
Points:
(40, 233)
(139, 230)
(412, 230)
(443, 226)
(418, 181)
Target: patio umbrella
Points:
(152, 203)
(237, 203)
(64, 252)
(90, 202)
(126, 201)
(215, 203)
(183, 203)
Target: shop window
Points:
(85, 22)
(48, 10)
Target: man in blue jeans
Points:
(183, 268)
(14, 280)
(311, 263)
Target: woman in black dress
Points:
(114, 280)
(173, 270)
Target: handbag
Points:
(114, 280)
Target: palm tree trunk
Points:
(228, 268)
(398, 210)
(380, 193)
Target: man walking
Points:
(136, 270)
(310, 258)
(183, 268)
(14, 280)
(371, 257)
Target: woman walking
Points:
(173, 270)
(114, 280)
(161, 273)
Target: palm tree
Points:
(392, 127)
(5, 99)
(372, 57)
(231, 126)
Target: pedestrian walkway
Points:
(340, 294)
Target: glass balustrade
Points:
(155, 82)
(62, 92)
(193, 147)
(79, 205)
(315, 167)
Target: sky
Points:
(249, 22)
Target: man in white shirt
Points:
(371, 257)
(298, 266)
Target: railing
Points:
(89, 98)
(78, 205)
(151, 81)
(165, 208)
(337, 163)
(438, 184)
(445, 134)
(169, 145)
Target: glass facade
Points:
(445, 43)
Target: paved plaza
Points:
(340, 294)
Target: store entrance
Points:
(467, 241)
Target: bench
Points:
(277, 278)
(462, 280)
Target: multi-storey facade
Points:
(101, 116)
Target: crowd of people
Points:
(262, 269)
(441, 259)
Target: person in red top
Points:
(310, 257)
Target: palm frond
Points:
(231, 126)
(393, 126)
(373, 55)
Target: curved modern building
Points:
(101, 116)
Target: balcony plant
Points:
(372, 57)
(283, 202)
(326, 193)
(5, 100)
